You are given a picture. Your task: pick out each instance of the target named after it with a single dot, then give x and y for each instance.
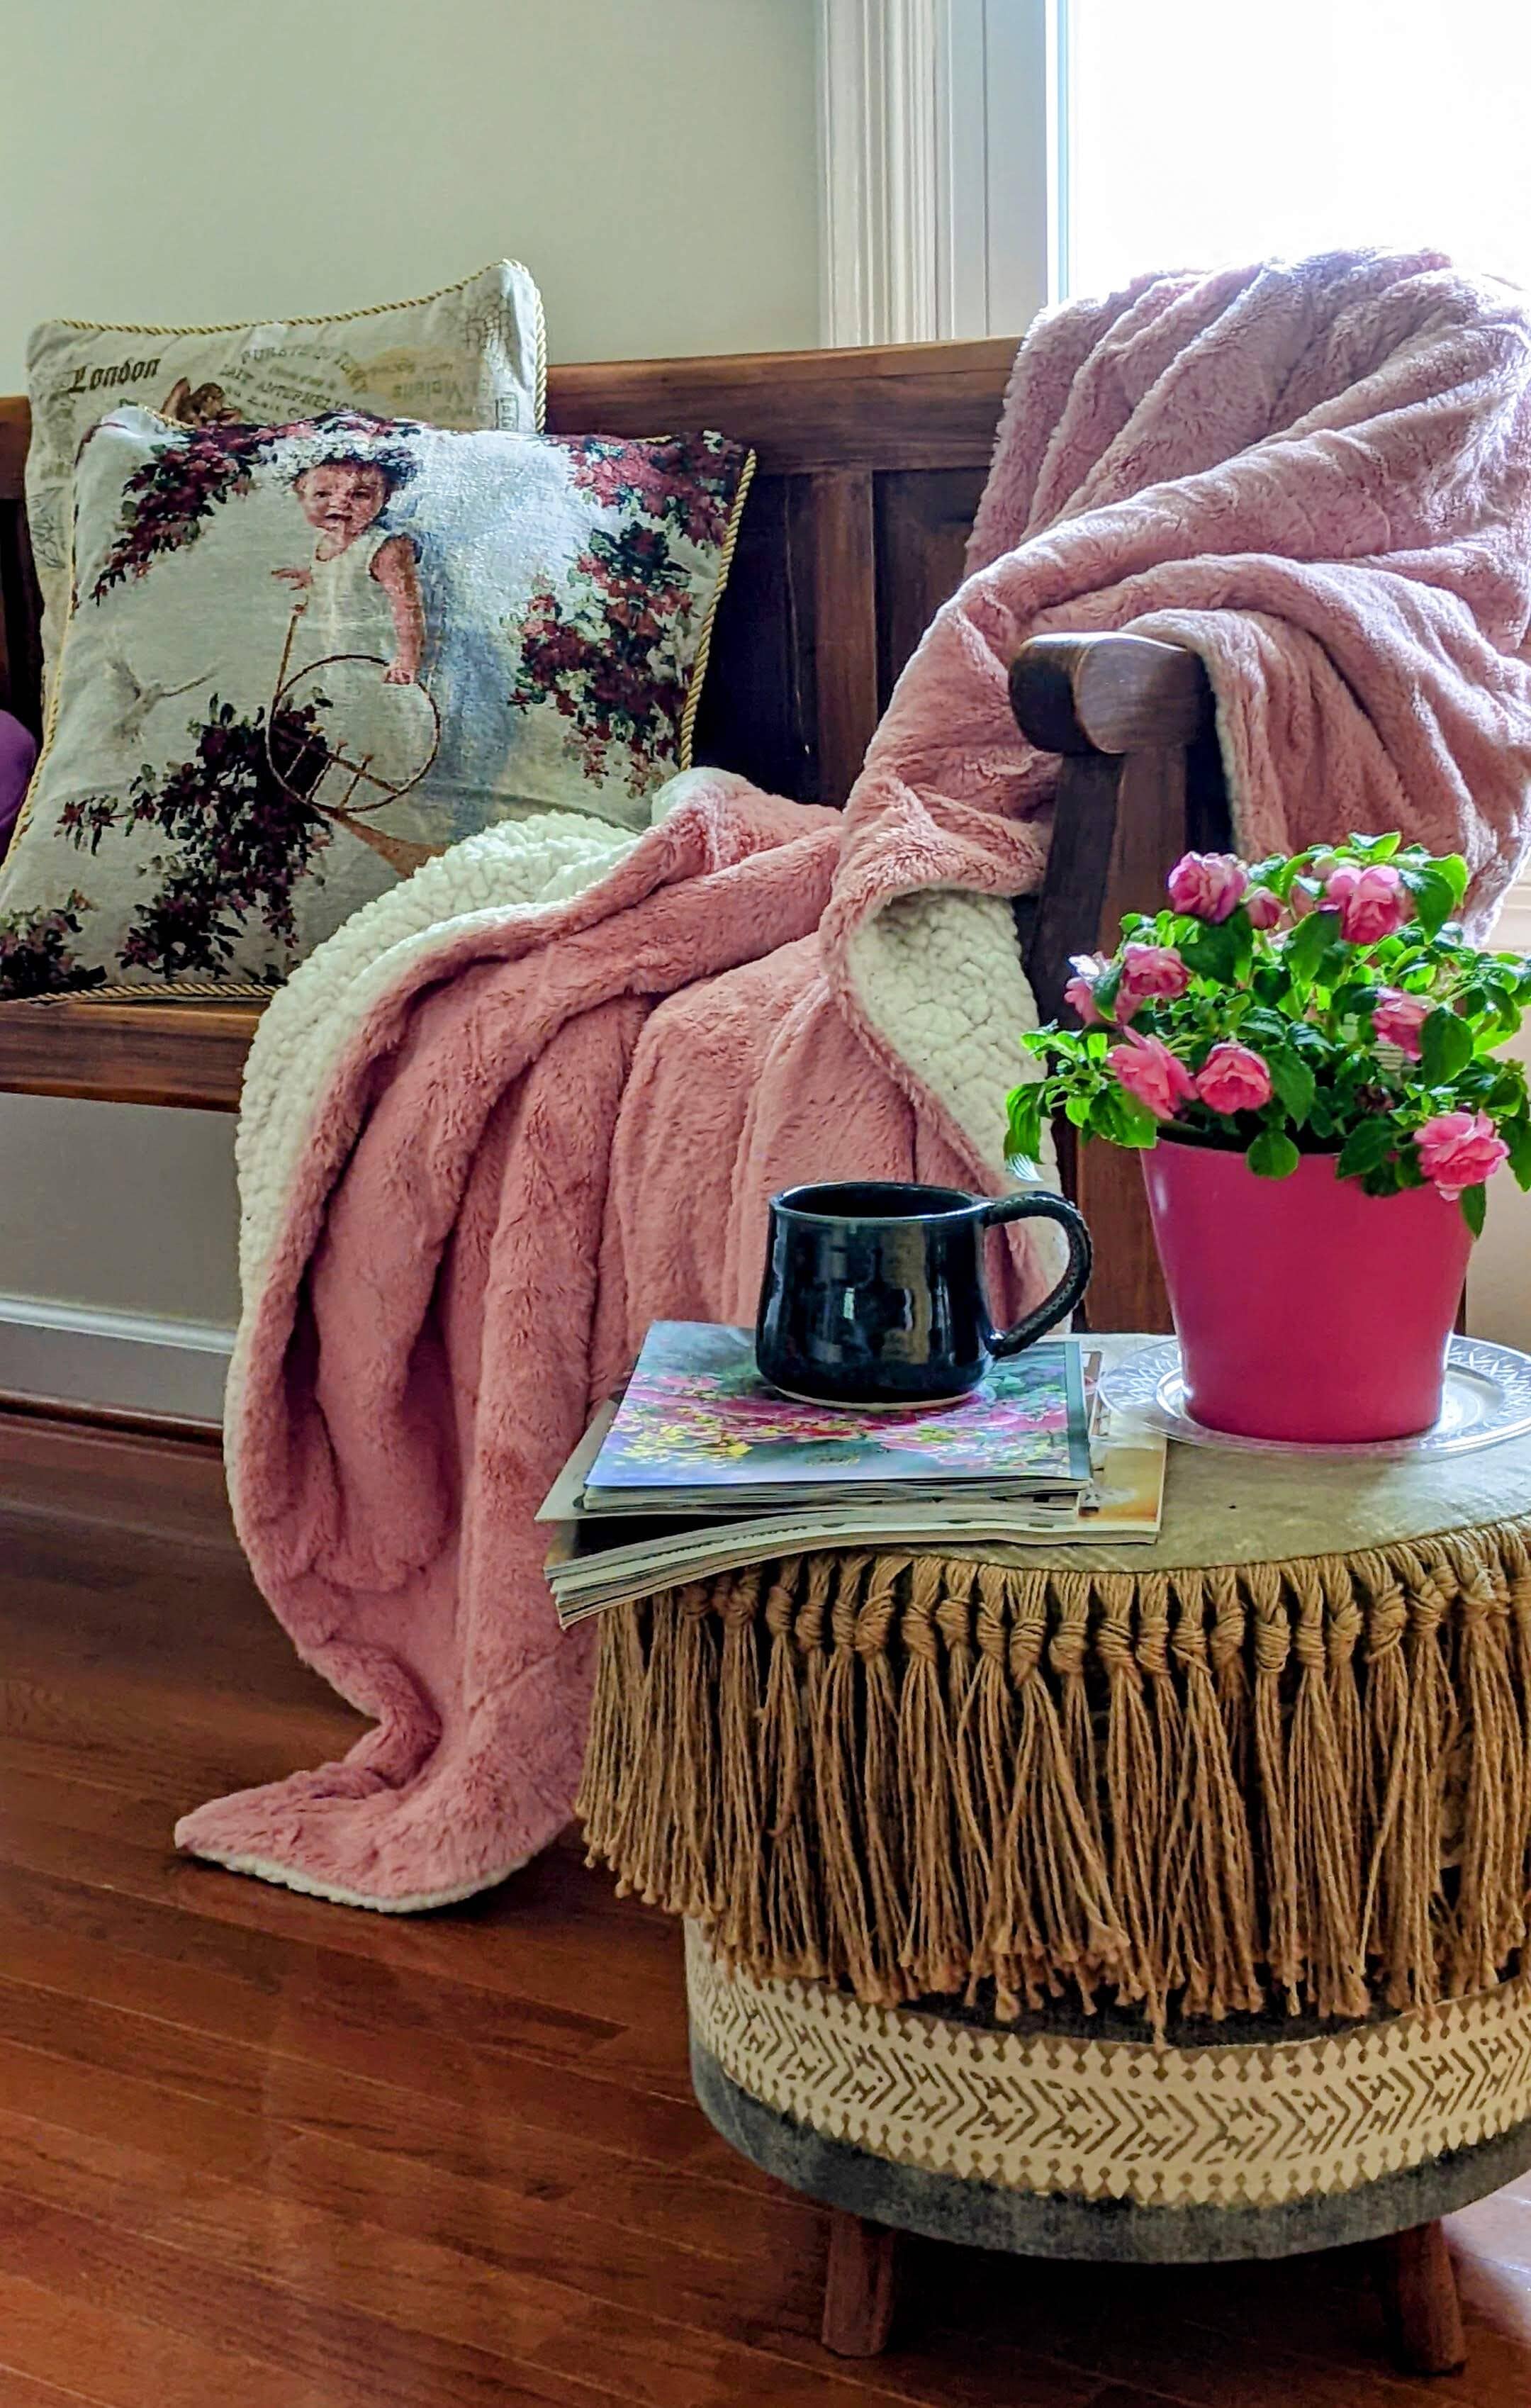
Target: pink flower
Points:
(1372, 903)
(1150, 973)
(1398, 1018)
(1079, 994)
(1263, 907)
(1234, 1079)
(1458, 1150)
(1207, 885)
(1149, 1070)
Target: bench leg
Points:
(858, 2285)
(1419, 2300)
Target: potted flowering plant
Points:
(1318, 1043)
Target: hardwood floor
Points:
(256, 2152)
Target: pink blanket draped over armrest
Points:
(538, 1096)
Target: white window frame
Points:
(942, 135)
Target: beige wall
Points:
(652, 161)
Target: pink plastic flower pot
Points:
(1305, 1310)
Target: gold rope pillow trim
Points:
(914, 1775)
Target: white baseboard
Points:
(122, 1362)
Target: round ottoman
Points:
(1146, 1903)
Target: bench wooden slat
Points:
(188, 1054)
(899, 405)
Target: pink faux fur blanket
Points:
(538, 1096)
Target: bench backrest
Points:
(870, 466)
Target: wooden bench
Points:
(870, 466)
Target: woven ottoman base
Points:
(1057, 2138)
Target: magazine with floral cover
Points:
(699, 1430)
(597, 1560)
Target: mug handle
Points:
(1043, 1205)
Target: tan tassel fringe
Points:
(916, 1776)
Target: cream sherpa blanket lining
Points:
(538, 1097)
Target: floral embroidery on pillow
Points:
(302, 659)
(603, 649)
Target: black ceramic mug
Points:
(874, 1293)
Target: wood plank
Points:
(924, 520)
(186, 1053)
(119, 2360)
(20, 621)
(348, 2355)
(15, 433)
(756, 713)
(898, 406)
(845, 626)
(901, 405)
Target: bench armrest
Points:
(1109, 694)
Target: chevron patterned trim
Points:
(1236, 2126)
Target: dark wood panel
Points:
(845, 616)
(924, 520)
(191, 1053)
(904, 406)
(15, 429)
(20, 621)
(757, 708)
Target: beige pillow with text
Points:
(472, 355)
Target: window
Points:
(1203, 132)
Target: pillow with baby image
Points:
(473, 354)
(302, 659)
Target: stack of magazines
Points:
(699, 1468)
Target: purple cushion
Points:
(18, 754)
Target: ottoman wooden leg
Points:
(858, 2285)
(1420, 2302)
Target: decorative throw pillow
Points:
(300, 659)
(473, 354)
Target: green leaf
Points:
(1024, 1133)
(1366, 1148)
(1213, 948)
(1376, 848)
(1474, 1203)
(1517, 1135)
(1106, 991)
(1273, 1155)
(1292, 1081)
(1435, 897)
(1445, 1046)
(1264, 1028)
(1077, 1110)
(1309, 941)
(1453, 869)
(1122, 1120)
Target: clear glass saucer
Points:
(1487, 1398)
